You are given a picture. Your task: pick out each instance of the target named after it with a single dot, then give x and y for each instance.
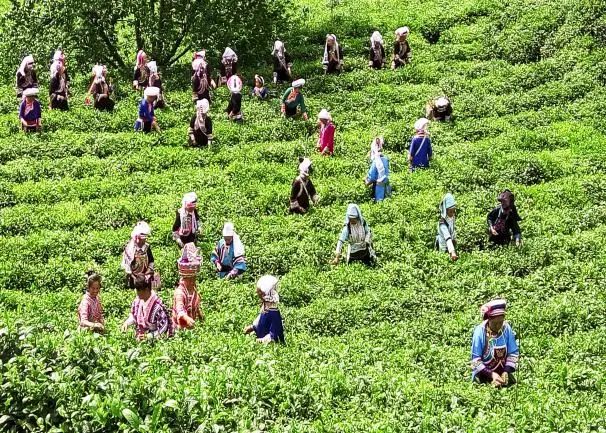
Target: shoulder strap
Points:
(421, 146)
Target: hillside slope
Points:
(382, 349)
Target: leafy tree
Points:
(112, 31)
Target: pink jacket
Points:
(326, 141)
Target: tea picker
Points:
(303, 192)
(376, 59)
(58, 86)
(378, 173)
(228, 255)
(186, 300)
(30, 111)
(293, 101)
(25, 77)
(402, 53)
(147, 118)
(439, 109)
(282, 63)
(234, 108)
(141, 73)
(326, 139)
(332, 61)
(200, 132)
(187, 221)
(201, 80)
(138, 259)
(268, 326)
(228, 67)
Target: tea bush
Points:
(369, 349)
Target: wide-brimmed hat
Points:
(151, 91)
(32, 91)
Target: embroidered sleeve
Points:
(513, 353)
(162, 321)
(477, 349)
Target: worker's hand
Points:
(370, 63)
(454, 257)
(518, 242)
(218, 266)
(305, 117)
(248, 329)
(493, 231)
(180, 243)
(335, 261)
(505, 378)
(98, 327)
(265, 340)
(497, 381)
(124, 327)
(189, 321)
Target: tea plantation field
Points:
(383, 349)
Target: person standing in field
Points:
(228, 256)
(148, 314)
(200, 131)
(186, 300)
(141, 74)
(229, 66)
(90, 310)
(494, 350)
(138, 259)
(376, 58)
(420, 152)
(378, 173)
(187, 221)
(147, 118)
(156, 81)
(234, 108)
(268, 326)
(332, 61)
(356, 233)
(326, 139)
(503, 221)
(439, 109)
(201, 80)
(58, 86)
(26, 78)
(30, 111)
(402, 53)
(303, 192)
(293, 101)
(282, 63)
(446, 239)
(100, 90)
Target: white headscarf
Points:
(268, 285)
(24, 62)
(421, 125)
(229, 54)
(278, 48)
(202, 107)
(54, 67)
(375, 155)
(141, 229)
(98, 71)
(228, 230)
(140, 59)
(325, 59)
(304, 167)
(376, 37)
(190, 197)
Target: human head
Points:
(421, 125)
(324, 116)
(202, 106)
(448, 206)
(267, 289)
(376, 39)
(259, 81)
(331, 40)
(442, 103)
(140, 233)
(28, 63)
(190, 201)
(153, 67)
(229, 56)
(353, 213)
(151, 93)
(141, 58)
(507, 200)
(305, 166)
(189, 263)
(30, 94)
(494, 312)
(228, 232)
(297, 84)
(402, 33)
(143, 287)
(93, 283)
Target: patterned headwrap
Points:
(447, 202)
(494, 308)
